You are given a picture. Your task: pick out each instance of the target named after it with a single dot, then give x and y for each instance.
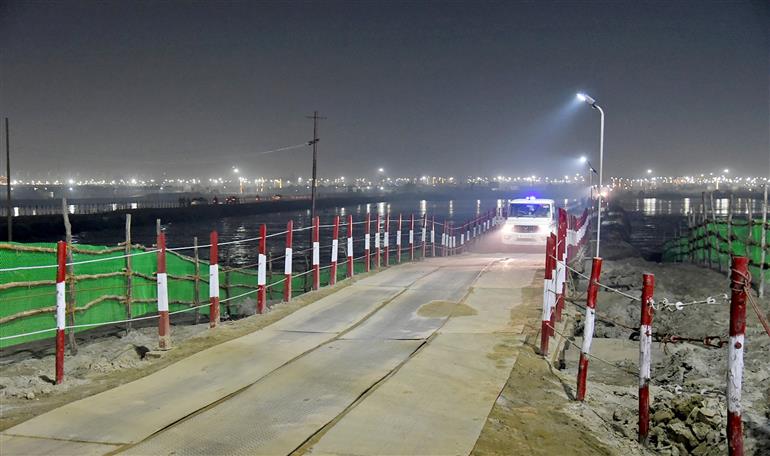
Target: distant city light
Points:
(725, 170)
(649, 171)
(382, 170)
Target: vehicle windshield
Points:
(530, 210)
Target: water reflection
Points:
(659, 206)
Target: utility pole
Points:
(8, 204)
(314, 181)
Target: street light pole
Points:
(592, 103)
(8, 204)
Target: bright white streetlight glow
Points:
(586, 98)
(649, 171)
(236, 170)
(726, 171)
(381, 170)
(583, 159)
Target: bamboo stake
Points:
(197, 284)
(763, 246)
(227, 283)
(730, 209)
(70, 307)
(129, 278)
(715, 241)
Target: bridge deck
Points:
(406, 361)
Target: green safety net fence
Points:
(100, 289)
(715, 242)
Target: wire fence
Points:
(118, 285)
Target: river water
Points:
(247, 227)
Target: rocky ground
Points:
(688, 408)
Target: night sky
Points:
(191, 89)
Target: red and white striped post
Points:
(739, 278)
(287, 261)
(424, 233)
(61, 307)
(335, 248)
(545, 330)
(433, 236)
(214, 280)
(561, 271)
(411, 238)
(398, 240)
(386, 239)
(554, 296)
(164, 325)
(588, 327)
(350, 246)
(262, 270)
(377, 257)
(367, 253)
(645, 356)
(316, 254)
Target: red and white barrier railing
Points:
(448, 245)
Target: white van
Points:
(530, 221)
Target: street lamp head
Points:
(586, 98)
(583, 159)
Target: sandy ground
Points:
(688, 406)
(26, 388)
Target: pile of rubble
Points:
(688, 425)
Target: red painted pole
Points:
(588, 327)
(61, 307)
(386, 239)
(424, 233)
(739, 278)
(350, 246)
(645, 356)
(554, 296)
(433, 236)
(262, 270)
(316, 255)
(287, 261)
(377, 257)
(411, 238)
(335, 249)
(164, 325)
(214, 280)
(367, 255)
(398, 240)
(545, 331)
(562, 267)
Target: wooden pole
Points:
(730, 228)
(763, 246)
(197, 278)
(70, 309)
(715, 241)
(129, 275)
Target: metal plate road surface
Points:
(277, 414)
(367, 332)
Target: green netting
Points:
(28, 297)
(715, 242)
